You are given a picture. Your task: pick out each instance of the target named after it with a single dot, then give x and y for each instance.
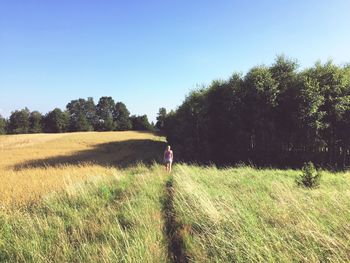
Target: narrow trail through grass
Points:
(172, 227)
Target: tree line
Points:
(79, 115)
(273, 115)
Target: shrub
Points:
(309, 178)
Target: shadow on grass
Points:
(121, 154)
(176, 249)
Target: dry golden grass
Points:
(32, 166)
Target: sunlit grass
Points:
(109, 219)
(77, 157)
(71, 198)
(248, 215)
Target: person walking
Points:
(168, 158)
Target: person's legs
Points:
(170, 163)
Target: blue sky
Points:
(150, 54)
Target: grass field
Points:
(249, 215)
(85, 197)
(32, 166)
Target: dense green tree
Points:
(90, 112)
(271, 116)
(161, 118)
(19, 121)
(310, 113)
(80, 123)
(334, 83)
(3, 125)
(56, 121)
(82, 115)
(121, 117)
(260, 98)
(187, 129)
(286, 111)
(140, 123)
(35, 122)
(104, 111)
(223, 115)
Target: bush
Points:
(310, 178)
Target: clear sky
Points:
(150, 54)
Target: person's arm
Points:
(172, 155)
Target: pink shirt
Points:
(168, 155)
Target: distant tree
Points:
(3, 125)
(104, 111)
(82, 115)
(19, 121)
(161, 118)
(56, 121)
(121, 117)
(80, 123)
(35, 122)
(140, 123)
(90, 112)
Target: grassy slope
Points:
(96, 209)
(65, 198)
(114, 219)
(247, 215)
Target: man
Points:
(168, 158)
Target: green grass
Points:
(221, 215)
(118, 219)
(248, 215)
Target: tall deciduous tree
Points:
(82, 115)
(19, 121)
(260, 98)
(140, 123)
(161, 118)
(35, 122)
(121, 117)
(285, 113)
(3, 125)
(104, 111)
(56, 121)
(272, 116)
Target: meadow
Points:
(104, 197)
(34, 165)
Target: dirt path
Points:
(172, 227)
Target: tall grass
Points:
(82, 198)
(248, 215)
(109, 219)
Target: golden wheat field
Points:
(35, 165)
